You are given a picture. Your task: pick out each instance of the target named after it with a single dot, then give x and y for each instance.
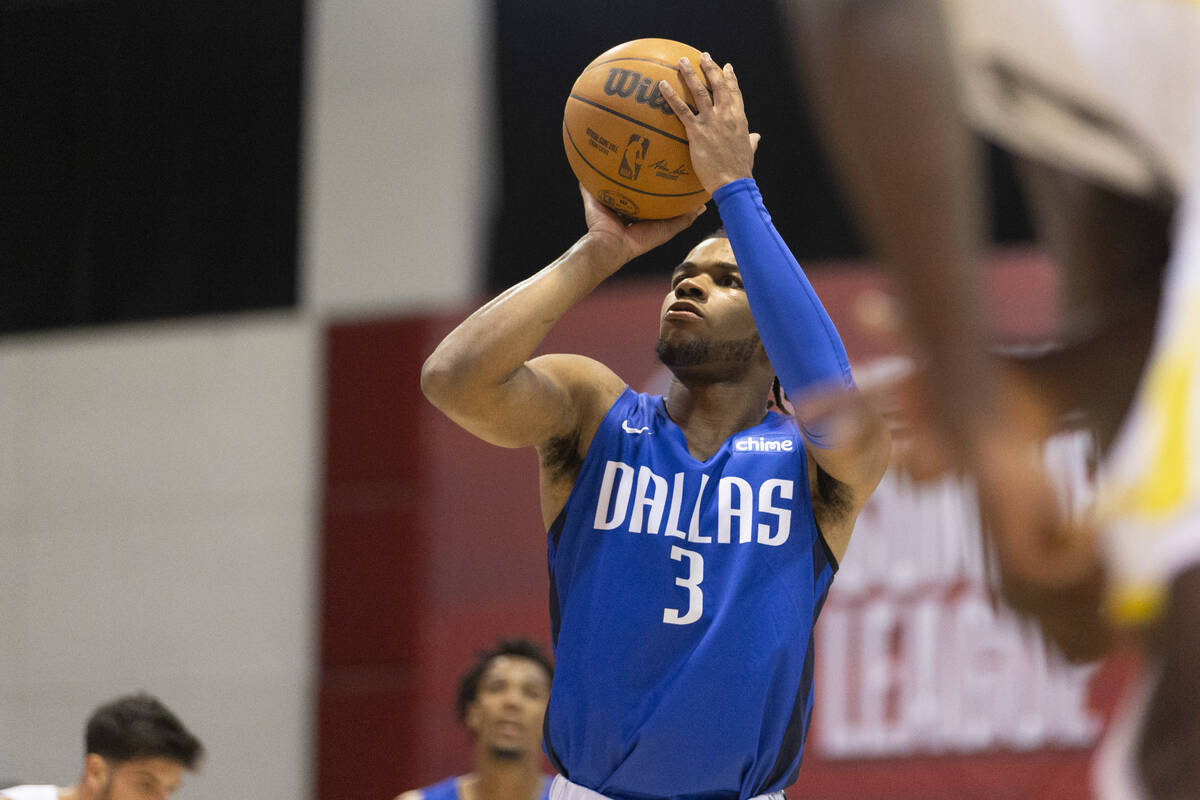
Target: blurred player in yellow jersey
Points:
(1100, 102)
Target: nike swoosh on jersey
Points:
(625, 427)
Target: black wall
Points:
(543, 45)
(149, 152)
(148, 159)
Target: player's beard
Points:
(697, 352)
(506, 753)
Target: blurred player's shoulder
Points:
(32, 792)
(1075, 83)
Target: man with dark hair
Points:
(134, 748)
(502, 701)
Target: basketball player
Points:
(692, 537)
(1101, 99)
(502, 701)
(134, 749)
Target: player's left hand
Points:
(722, 147)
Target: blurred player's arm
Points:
(882, 86)
(415, 794)
(847, 438)
(1171, 734)
(1070, 613)
(483, 376)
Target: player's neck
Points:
(716, 411)
(72, 792)
(502, 780)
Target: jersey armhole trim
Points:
(833, 562)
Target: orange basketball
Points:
(624, 142)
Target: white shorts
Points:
(563, 789)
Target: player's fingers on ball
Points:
(675, 102)
(588, 198)
(732, 88)
(691, 79)
(716, 78)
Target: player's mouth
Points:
(683, 312)
(510, 727)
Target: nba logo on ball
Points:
(623, 142)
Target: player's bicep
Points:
(546, 398)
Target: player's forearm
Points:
(497, 339)
(800, 339)
(1071, 616)
(882, 85)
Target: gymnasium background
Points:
(230, 233)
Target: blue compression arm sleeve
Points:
(798, 334)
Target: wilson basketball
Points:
(624, 142)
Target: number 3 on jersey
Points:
(671, 616)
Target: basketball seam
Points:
(629, 58)
(584, 158)
(627, 118)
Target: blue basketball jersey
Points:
(682, 599)
(448, 790)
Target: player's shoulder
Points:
(30, 792)
(578, 373)
(591, 386)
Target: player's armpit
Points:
(850, 467)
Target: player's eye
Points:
(732, 281)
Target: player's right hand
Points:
(719, 139)
(628, 240)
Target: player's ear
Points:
(472, 719)
(95, 771)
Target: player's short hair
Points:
(138, 726)
(468, 685)
(719, 233)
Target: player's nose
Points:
(691, 287)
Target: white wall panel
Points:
(399, 154)
(159, 533)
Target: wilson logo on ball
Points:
(625, 82)
(624, 144)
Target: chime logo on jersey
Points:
(637, 500)
(771, 443)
